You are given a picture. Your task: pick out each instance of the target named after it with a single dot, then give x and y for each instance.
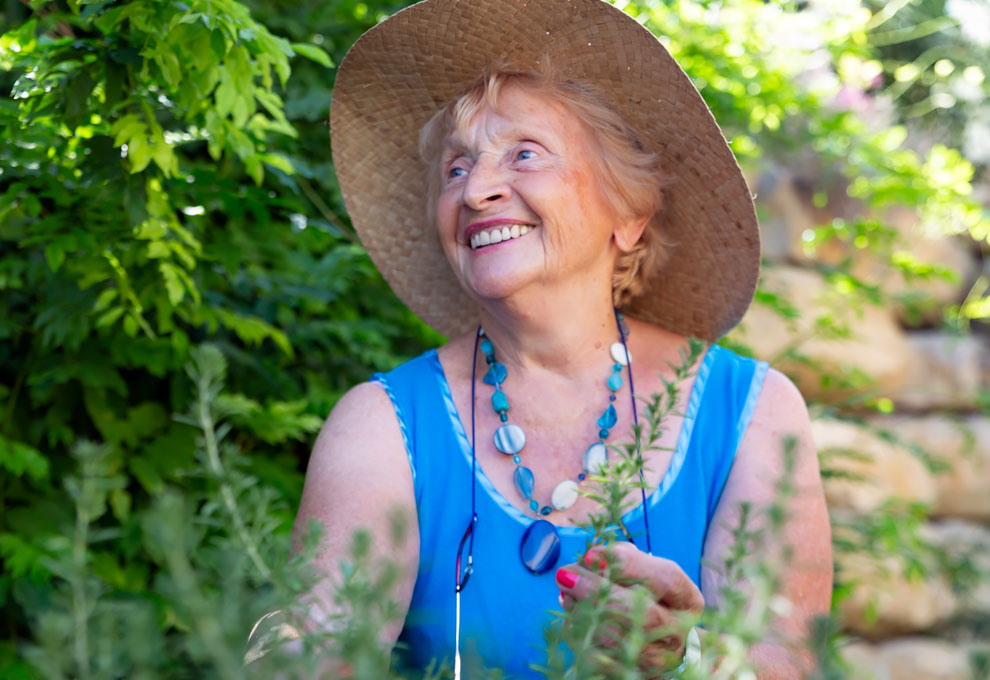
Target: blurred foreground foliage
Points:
(167, 205)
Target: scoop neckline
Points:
(633, 514)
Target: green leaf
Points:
(278, 161)
(146, 475)
(104, 300)
(173, 284)
(19, 459)
(313, 52)
(109, 317)
(22, 558)
(55, 255)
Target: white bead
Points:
(510, 439)
(564, 495)
(619, 353)
(595, 458)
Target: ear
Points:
(628, 231)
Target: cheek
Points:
(445, 218)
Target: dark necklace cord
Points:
(469, 532)
(639, 452)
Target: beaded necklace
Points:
(510, 439)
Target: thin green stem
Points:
(80, 632)
(208, 426)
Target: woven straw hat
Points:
(402, 71)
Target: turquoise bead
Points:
(617, 367)
(504, 417)
(496, 374)
(534, 506)
(516, 460)
(606, 422)
(501, 403)
(523, 479)
(603, 433)
(486, 346)
(546, 510)
(615, 382)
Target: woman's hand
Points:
(623, 573)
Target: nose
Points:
(486, 185)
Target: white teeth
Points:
(499, 234)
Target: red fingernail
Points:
(565, 578)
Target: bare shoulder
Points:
(780, 416)
(359, 479)
(777, 463)
(359, 473)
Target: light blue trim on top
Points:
(687, 427)
(677, 460)
(759, 373)
(383, 382)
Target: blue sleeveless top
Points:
(504, 608)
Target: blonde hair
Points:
(631, 176)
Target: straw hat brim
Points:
(399, 73)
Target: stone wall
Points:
(897, 418)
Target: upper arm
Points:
(764, 465)
(359, 477)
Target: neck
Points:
(563, 334)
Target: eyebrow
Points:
(452, 148)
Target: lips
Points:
(496, 233)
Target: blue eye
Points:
(522, 155)
(456, 172)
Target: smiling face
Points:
(520, 202)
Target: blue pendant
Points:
(608, 419)
(540, 547)
(510, 439)
(523, 478)
(496, 374)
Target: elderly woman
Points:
(519, 172)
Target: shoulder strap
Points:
(407, 386)
(733, 388)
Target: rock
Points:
(876, 347)
(920, 658)
(785, 216)
(864, 471)
(863, 659)
(966, 542)
(945, 371)
(909, 658)
(883, 601)
(918, 300)
(963, 446)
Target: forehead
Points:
(518, 113)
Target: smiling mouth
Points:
(499, 234)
